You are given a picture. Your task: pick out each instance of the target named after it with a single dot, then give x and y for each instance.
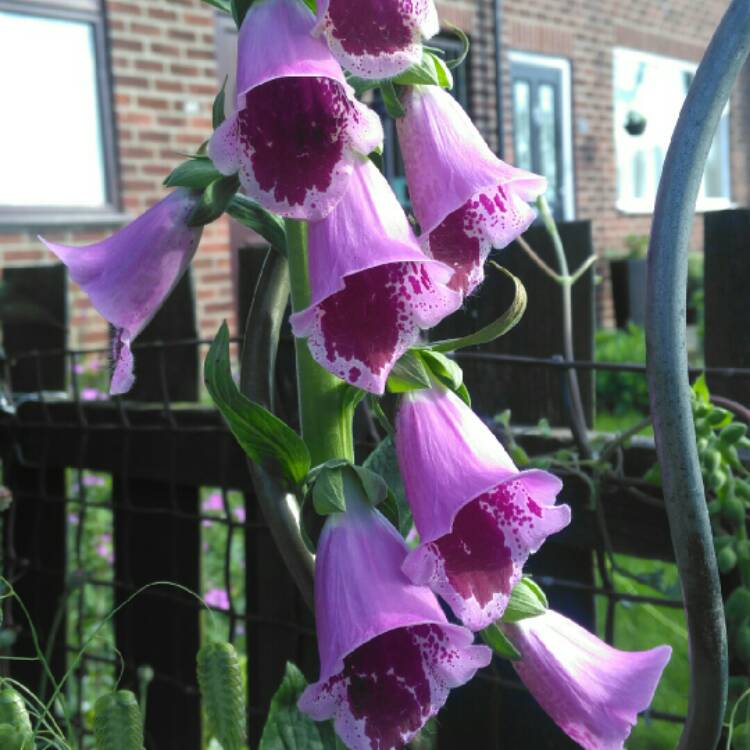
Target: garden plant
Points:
(413, 558)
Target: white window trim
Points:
(563, 65)
(645, 206)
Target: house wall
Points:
(164, 77)
(585, 32)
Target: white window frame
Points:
(640, 206)
(566, 94)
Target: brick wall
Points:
(585, 31)
(163, 64)
(164, 80)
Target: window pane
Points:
(649, 94)
(522, 124)
(50, 131)
(546, 117)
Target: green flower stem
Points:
(326, 412)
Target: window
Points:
(56, 139)
(542, 125)
(649, 92)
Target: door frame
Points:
(563, 67)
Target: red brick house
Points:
(100, 98)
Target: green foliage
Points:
(494, 637)
(262, 436)
(214, 201)
(223, 694)
(253, 216)
(12, 738)
(621, 393)
(118, 724)
(384, 462)
(196, 173)
(505, 323)
(526, 600)
(287, 728)
(13, 710)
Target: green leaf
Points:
(261, 435)
(328, 492)
(269, 226)
(373, 485)
(223, 5)
(362, 85)
(499, 643)
(384, 462)
(447, 370)
(391, 101)
(287, 728)
(311, 5)
(526, 600)
(409, 374)
(196, 173)
(214, 201)
(465, 47)
(700, 389)
(219, 103)
(13, 710)
(508, 320)
(429, 71)
(239, 10)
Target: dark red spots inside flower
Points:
(388, 685)
(366, 321)
(477, 561)
(293, 128)
(451, 244)
(373, 27)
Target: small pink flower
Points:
(592, 691)
(373, 289)
(214, 502)
(377, 38)
(466, 200)
(93, 394)
(299, 129)
(239, 514)
(478, 517)
(217, 598)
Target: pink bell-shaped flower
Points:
(298, 130)
(388, 656)
(478, 517)
(377, 38)
(128, 276)
(592, 691)
(466, 200)
(373, 289)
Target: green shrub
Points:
(621, 392)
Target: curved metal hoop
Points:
(667, 366)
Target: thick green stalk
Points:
(326, 414)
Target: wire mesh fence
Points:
(111, 495)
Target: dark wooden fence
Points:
(161, 446)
